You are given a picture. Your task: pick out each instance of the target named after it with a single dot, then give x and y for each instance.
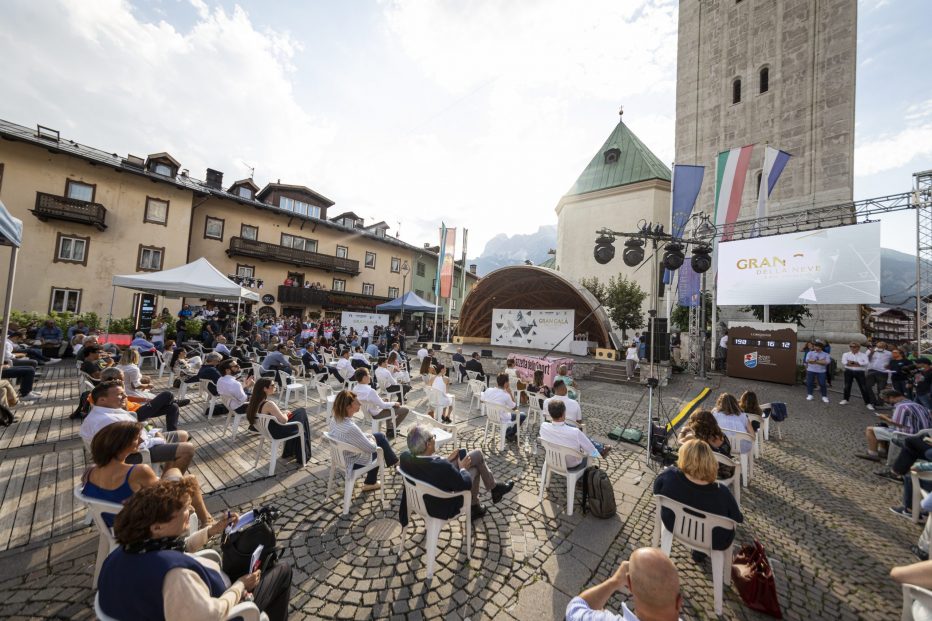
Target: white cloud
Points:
(889, 151)
(213, 96)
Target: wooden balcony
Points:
(52, 207)
(292, 256)
(302, 296)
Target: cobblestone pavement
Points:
(821, 514)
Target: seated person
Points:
(651, 578)
(372, 403)
(702, 426)
(441, 384)
(359, 359)
(312, 360)
(343, 370)
(387, 380)
(693, 482)
(13, 354)
(276, 360)
(458, 472)
(181, 366)
(220, 346)
(373, 350)
(229, 386)
(729, 417)
(21, 349)
(208, 371)
(501, 395)
(113, 479)
(162, 404)
(538, 386)
(512, 372)
(141, 343)
(560, 433)
(342, 428)
(920, 575)
(422, 353)
(50, 334)
(77, 342)
(429, 365)
(749, 404)
(109, 407)
(262, 401)
(908, 417)
(79, 327)
(398, 367)
(25, 377)
(461, 359)
(473, 364)
(150, 531)
(136, 384)
(562, 376)
(94, 362)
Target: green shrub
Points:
(126, 325)
(193, 328)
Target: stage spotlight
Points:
(634, 252)
(604, 249)
(701, 260)
(673, 257)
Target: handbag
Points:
(753, 577)
(237, 547)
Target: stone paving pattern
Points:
(820, 513)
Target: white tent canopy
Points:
(196, 279)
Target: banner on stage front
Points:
(358, 321)
(839, 265)
(532, 329)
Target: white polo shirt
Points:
(573, 411)
(570, 437)
(499, 397)
(370, 399)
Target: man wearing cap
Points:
(855, 363)
(877, 375)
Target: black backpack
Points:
(237, 548)
(598, 495)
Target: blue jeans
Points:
(390, 459)
(811, 378)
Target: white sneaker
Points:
(808, 397)
(32, 396)
(53, 360)
(870, 407)
(843, 402)
(824, 399)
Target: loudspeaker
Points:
(435, 346)
(658, 326)
(486, 353)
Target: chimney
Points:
(472, 268)
(214, 179)
(427, 245)
(184, 172)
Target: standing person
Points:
(364, 337)
(631, 360)
(816, 362)
(901, 368)
(877, 371)
(157, 334)
(180, 331)
(722, 353)
(855, 363)
(923, 381)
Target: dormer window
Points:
(612, 155)
(162, 169)
(244, 192)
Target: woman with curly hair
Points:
(702, 426)
(150, 576)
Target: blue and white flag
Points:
(687, 180)
(774, 162)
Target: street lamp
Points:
(405, 270)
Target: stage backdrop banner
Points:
(358, 321)
(532, 329)
(840, 265)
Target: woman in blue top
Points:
(114, 479)
(816, 362)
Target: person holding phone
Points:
(457, 472)
(855, 363)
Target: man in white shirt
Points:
(359, 359)
(386, 380)
(723, 351)
(344, 369)
(501, 395)
(560, 433)
(573, 411)
(877, 375)
(109, 399)
(855, 363)
(372, 403)
(230, 387)
(651, 578)
(422, 353)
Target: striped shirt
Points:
(911, 415)
(347, 431)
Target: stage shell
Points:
(532, 287)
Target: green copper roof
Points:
(551, 262)
(634, 163)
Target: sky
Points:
(480, 114)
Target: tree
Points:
(596, 288)
(680, 317)
(781, 313)
(624, 298)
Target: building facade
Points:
(624, 186)
(89, 215)
(779, 73)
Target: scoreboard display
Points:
(762, 351)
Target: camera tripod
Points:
(656, 433)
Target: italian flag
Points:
(731, 170)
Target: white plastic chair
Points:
(415, 491)
(759, 439)
(474, 375)
(734, 481)
(693, 529)
(918, 493)
(443, 432)
(95, 509)
(435, 399)
(247, 611)
(340, 454)
(917, 602)
(765, 407)
(233, 417)
(212, 401)
(325, 397)
(555, 463)
(493, 421)
(293, 387)
(458, 371)
(262, 424)
(747, 458)
(166, 364)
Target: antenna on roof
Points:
(398, 229)
(252, 169)
(621, 111)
